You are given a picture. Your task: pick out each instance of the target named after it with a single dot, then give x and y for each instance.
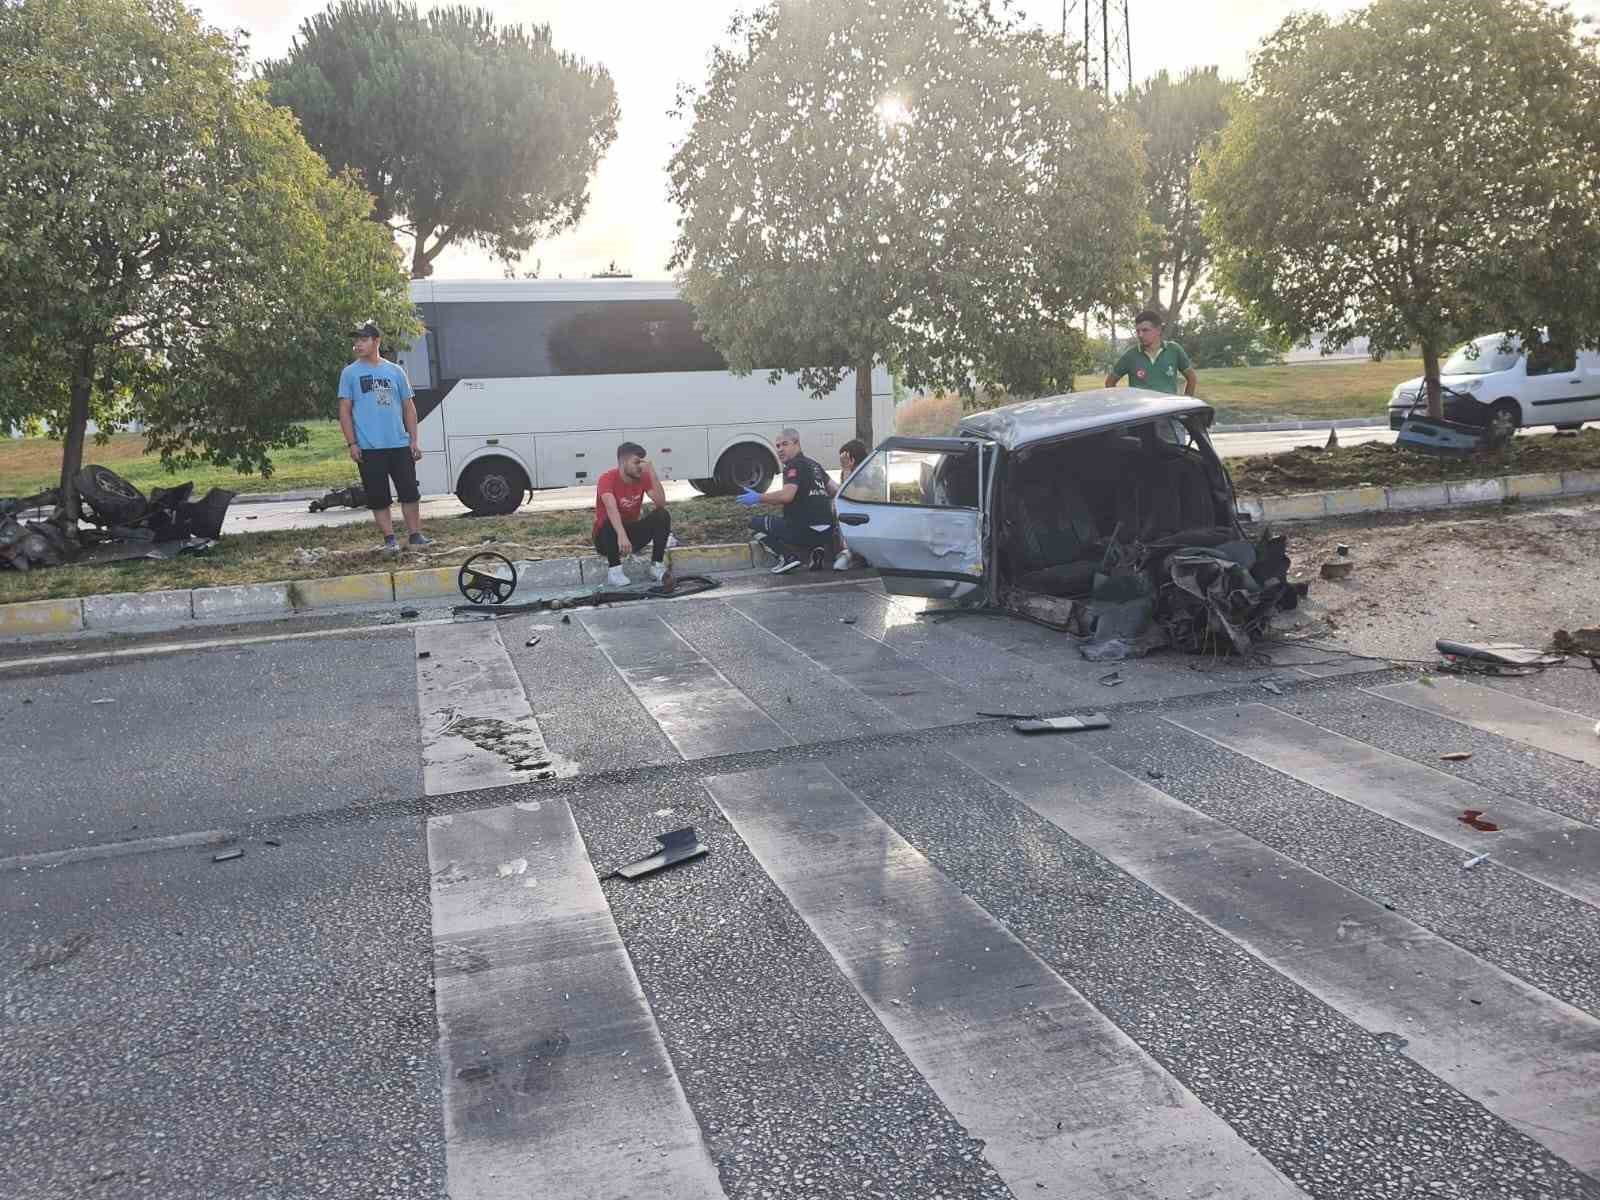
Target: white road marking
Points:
(556, 1081)
(1530, 1059)
(478, 730)
(1556, 851)
(1062, 1097)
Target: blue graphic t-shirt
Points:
(377, 396)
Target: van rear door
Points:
(917, 510)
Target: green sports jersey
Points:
(1163, 373)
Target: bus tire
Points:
(746, 466)
(707, 487)
(492, 487)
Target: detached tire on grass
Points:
(114, 500)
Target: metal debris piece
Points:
(1338, 568)
(1474, 861)
(847, 620)
(678, 846)
(1272, 687)
(424, 653)
(1496, 654)
(1063, 724)
(227, 855)
(1342, 550)
(533, 641)
(409, 613)
(271, 842)
(1456, 756)
(1114, 679)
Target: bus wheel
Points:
(707, 487)
(492, 487)
(746, 466)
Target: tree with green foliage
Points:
(908, 182)
(1416, 173)
(1179, 119)
(171, 250)
(465, 131)
(1220, 333)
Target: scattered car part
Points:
(1456, 755)
(352, 496)
(683, 585)
(678, 846)
(1496, 654)
(1338, 568)
(1474, 861)
(425, 654)
(531, 642)
(114, 500)
(227, 855)
(1474, 818)
(1063, 724)
(487, 578)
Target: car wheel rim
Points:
(1502, 424)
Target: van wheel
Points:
(746, 466)
(492, 487)
(1505, 418)
(707, 487)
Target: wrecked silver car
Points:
(1105, 514)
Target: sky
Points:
(651, 47)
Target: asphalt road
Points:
(1228, 946)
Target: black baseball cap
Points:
(368, 329)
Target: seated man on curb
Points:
(619, 524)
(850, 456)
(805, 527)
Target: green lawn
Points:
(29, 465)
(1308, 391)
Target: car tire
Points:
(1505, 418)
(746, 466)
(114, 500)
(707, 487)
(492, 487)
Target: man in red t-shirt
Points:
(620, 525)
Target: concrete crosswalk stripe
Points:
(1557, 852)
(916, 695)
(556, 1081)
(701, 713)
(477, 728)
(1524, 1056)
(1060, 1095)
(1569, 734)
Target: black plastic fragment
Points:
(1064, 724)
(678, 846)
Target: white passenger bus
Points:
(526, 384)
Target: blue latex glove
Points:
(748, 498)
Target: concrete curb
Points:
(1291, 426)
(143, 610)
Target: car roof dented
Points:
(1052, 417)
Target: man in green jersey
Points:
(1154, 364)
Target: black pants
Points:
(653, 529)
(379, 466)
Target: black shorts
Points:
(380, 466)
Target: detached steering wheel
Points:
(487, 578)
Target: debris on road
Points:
(1063, 724)
(1114, 679)
(1494, 658)
(409, 614)
(1456, 755)
(531, 642)
(227, 855)
(678, 846)
(424, 653)
(1474, 818)
(345, 497)
(103, 700)
(1339, 568)
(1272, 687)
(118, 522)
(1474, 861)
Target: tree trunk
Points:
(1430, 379)
(1155, 284)
(421, 268)
(72, 450)
(864, 403)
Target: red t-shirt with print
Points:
(629, 493)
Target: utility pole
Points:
(1107, 50)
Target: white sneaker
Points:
(842, 563)
(617, 577)
(658, 571)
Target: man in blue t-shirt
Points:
(379, 421)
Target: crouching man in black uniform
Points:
(803, 531)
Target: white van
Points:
(526, 384)
(1506, 389)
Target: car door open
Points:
(916, 510)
